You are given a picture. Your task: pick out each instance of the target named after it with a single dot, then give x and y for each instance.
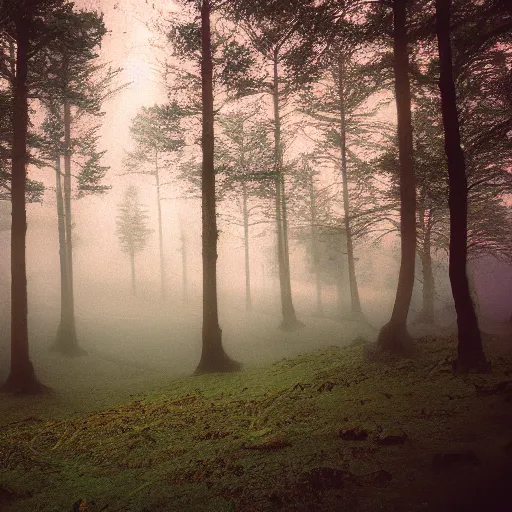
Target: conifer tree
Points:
(132, 230)
(26, 29)
(157, 135)
(193, 42)
(245, 166)
(75, 90)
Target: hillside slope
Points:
(323, 431)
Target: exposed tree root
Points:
(394, 342)
(220, 363)
(23, 381)
(291, 324)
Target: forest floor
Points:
(321, 431)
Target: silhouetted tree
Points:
(471, 356)
(31, 27)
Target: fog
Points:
(164, 334)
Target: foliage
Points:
(132, 230)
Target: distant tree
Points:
(157, 134)
(274, 37)
(338, 108)
(245, 166)
(311, 209)
(132, 230)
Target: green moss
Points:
(248, 441)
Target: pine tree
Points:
(30, 27)
(75, 88)
(335, 107)
(245, 166)
(132, 230)
(194, 43)
(471, 356)
(157, 134)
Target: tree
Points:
(470, 356)
(132, 229)
(273, 35)
(192, 42)
(30, 26)
(157, 134)
(75, 88)
(394, 337)
(338, 108)
(245, 164)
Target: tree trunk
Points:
(314, 249)
(355, 302)
(213, 356)
(66, 340)
(428, 292)
(290, 321)
(393, 338)
(163, 288)
(66, 330)
(248, 300)
(134, 282)
(21, 377)
(471, 356)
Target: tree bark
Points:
(66, 341)
(66, 330)
(394, 338)
(354, 291)
(290, 321)
(314, 249)
(163, 288)
(213, 357)
(22, 378)
(248, 299)
(470, 356)
(428, 293)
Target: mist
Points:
(255, 257)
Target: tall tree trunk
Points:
(66, 329)
(248, 300)
(355, 302)
(471, 356)
(132, 264)
(314, 248)
(66, 340)
(290, 321)
(426, 315)
(62, 238)
(213, 356)
(22, 377)
(393, 337)
(428, 293)
(163, 288)
(473, 290)
(339, 293)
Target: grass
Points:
(268, 438)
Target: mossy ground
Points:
(252, 441)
